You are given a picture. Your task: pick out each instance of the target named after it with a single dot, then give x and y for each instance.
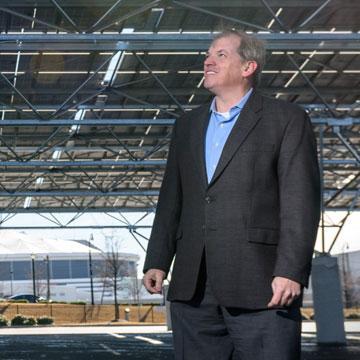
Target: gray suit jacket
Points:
(258, 216)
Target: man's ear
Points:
(250, 68)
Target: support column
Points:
(327, 297)
(167, 307)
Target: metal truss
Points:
(89, 131)
(169, 42)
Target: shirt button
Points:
(216, 144)
(221, 125)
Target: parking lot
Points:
(86, 347)
(142, 343)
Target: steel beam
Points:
(186, 91)
(346, 121)
(274, 16)
(136, 107)
(340, 191)
(15, 89)
(314, 14)
(144, 103)
(104, 4)
(114, 170)
(66, 15)
(157, 42)
(218, 15)
(82, 193)
(129, 15)
(49, 227)
(61, 210)
(347, 144)
(61, 163)
(88, 122)
(344, 165)
(31, 19)
(121, 192)
(66, 210)
(352, 162)
(120, 163)
(88, 79)
(157, 79)
(106, 14)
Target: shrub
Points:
(18, 320)
(3, 320)
(45, 320)
(23, 320)
(353, 316)
(30, 321)
(78, 302)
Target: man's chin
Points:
(208, 87)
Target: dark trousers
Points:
(205, 330)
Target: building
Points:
(349, 268)
(60, 269)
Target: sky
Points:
(348, 240)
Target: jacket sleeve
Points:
(299, 189)
(162, 244)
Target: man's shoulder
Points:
(194, 114)
(200, 110)
(279, 105)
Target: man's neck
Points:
(224, 102)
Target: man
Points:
(239, 207)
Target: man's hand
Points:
(153, 280)
(285, 291)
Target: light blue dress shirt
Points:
(218, 131)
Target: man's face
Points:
(223, 66)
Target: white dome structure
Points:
(59, 267)
(17, 243)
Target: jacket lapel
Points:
(198, 136)
(247, 120)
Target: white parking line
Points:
(83, 330)
(353, 337)
(109, 350)
(304, 335)
(117, 335)
(151, 341)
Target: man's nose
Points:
(209, 60)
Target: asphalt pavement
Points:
(130, 342)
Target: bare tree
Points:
(40, 278)
(133, 287)
(114, 271)
(351, 291)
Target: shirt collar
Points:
(237, 107)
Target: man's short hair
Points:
(251, 48)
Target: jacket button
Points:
(208, 199)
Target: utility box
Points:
(327, 297)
